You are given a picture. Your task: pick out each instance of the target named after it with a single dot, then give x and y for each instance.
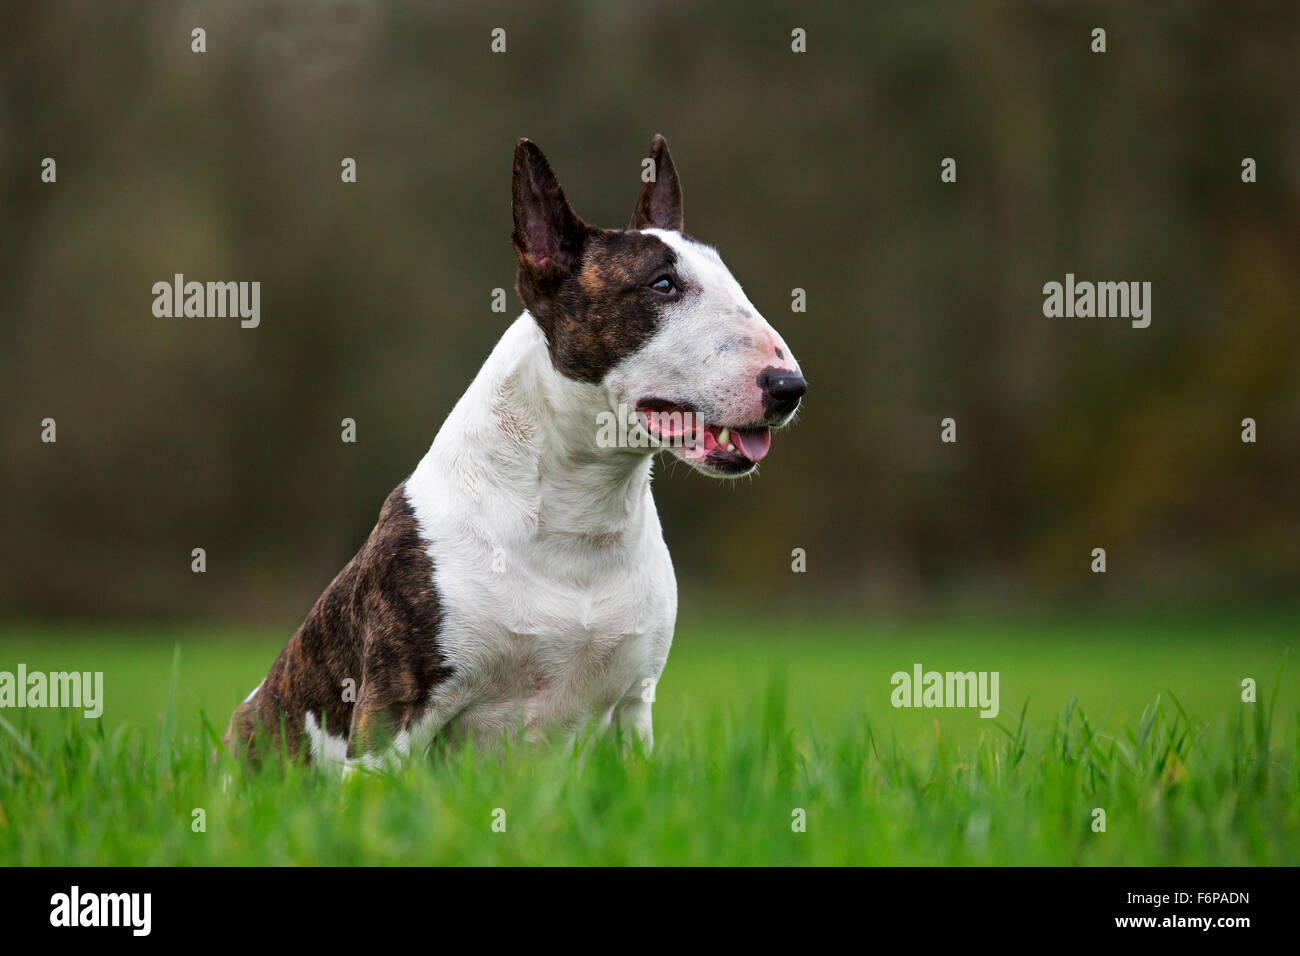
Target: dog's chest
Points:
(556, 588)
(550, 638)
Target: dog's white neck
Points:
(520, 457)
(583, 488)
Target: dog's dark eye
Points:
(664, 285)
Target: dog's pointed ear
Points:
(548, 234)
(660, 203)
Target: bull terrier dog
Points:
(517, 583)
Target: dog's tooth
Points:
(731, 447)
(722, 436)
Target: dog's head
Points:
(653, 317)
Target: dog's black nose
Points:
(782, 388)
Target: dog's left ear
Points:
(548, 234)
(660, 203)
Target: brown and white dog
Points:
(518, 581)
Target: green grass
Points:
(1141, 719)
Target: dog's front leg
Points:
(632, 716)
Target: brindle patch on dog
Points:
(606, 310)
(377, 624)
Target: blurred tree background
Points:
(817, 171)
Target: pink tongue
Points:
(752, 442)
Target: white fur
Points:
(326, 749)
(556, 585)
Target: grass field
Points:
(1141, 719)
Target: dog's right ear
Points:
(548, 234)
(660, 204)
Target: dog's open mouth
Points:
(723, 447)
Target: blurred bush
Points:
(817, 170)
